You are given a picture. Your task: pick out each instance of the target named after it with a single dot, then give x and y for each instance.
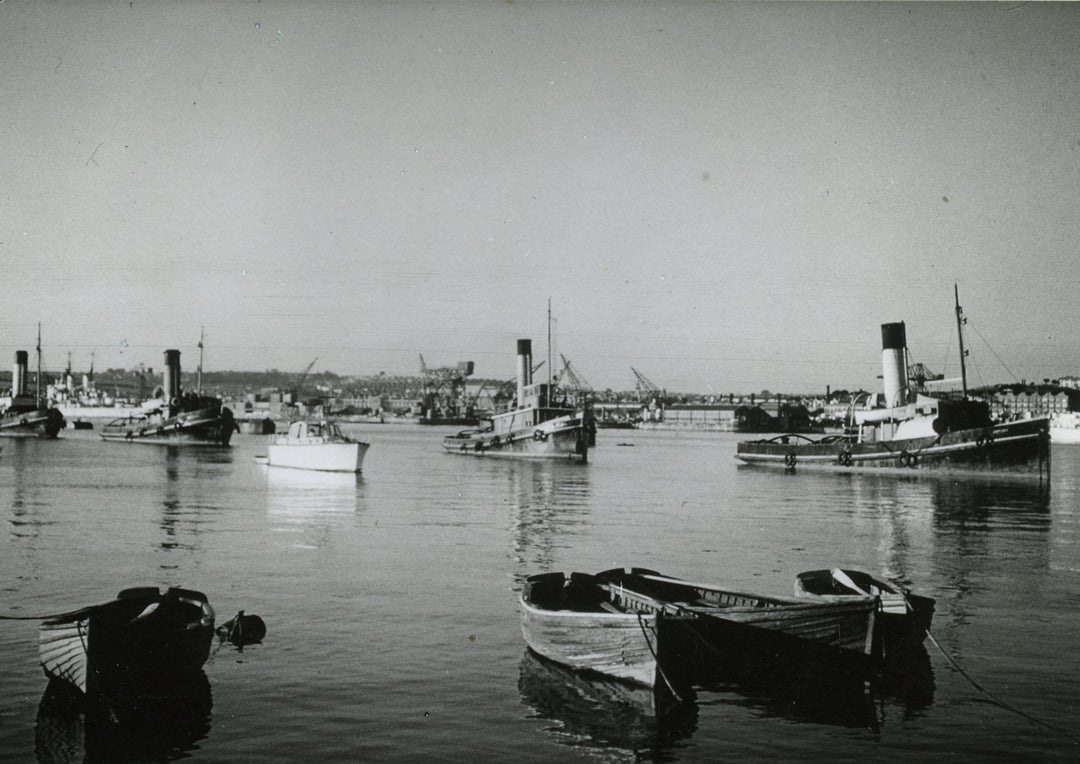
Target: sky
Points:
(727, 197)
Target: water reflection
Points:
(24, 522)
(1010, 505)
(549, 501)
(913, 517)
(310, 500)
(602, 714)
(141, 724)
(181, 517)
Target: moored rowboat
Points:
(144, 634)
(643, 627)
(904, 616)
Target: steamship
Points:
(176, 418)
(540, 424)
(915, 431)
(29, 416)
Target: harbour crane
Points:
(443, 389)
(644, 385)
(296, 387)
(569, 379)
(920, 374)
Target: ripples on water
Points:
(391, 599)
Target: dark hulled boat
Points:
(145, 635)
(905, 617)
(176, 418)
(29, 415)
(914, 431)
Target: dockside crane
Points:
(443, 388)
(295, 390)
(569, 379)
(919, 374)
(644, 385)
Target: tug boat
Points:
(176, 418)
(29, 416)
(540, 424)
(914, 432)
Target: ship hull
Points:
(321, 457)
(1013, 448)
(38, 423)
(1065, 428)
(205, 427)
(562, 438)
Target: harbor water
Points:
(391, 599)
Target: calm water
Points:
(390, 600)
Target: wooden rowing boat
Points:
(905, 617)
(643, 627)
(144, 634)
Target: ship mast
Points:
(37, 382)
(549, 350)
(960, 321)
(198, 385)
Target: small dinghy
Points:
(905, 616)
(145, 634)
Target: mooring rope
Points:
(659, 668)
(33, 617)
(995, 699)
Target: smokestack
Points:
(172, 375)
(19, 375)
(894, 364)
(524, 368)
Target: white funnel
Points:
(894, 364)
(524, 369)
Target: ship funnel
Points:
(524, 369)
(894, 364)
(172, 376)
(19, 374)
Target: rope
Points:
(32, 617)
(993, 698)
(659, 668)
(996, 700)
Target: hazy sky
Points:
(725, 196)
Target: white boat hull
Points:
(322, 457)
(620, 645)
(1065, 428)
(62, 651)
